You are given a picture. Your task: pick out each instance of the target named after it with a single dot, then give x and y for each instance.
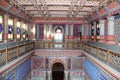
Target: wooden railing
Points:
(108, 56)
(51, 45)
(10, 53)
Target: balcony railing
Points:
(51, 45)
(107, 56)
(10, 53)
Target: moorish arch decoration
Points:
(58, 27)
(61, 60)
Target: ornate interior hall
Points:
(59, 39)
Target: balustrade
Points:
(8, 54)
(51, 45)
(105, 55)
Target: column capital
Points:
(49, 72)
(101, 21)
(110, 18)
(66, 72)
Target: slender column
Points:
(21, 30)
(49, 75)
(66, 33)
(95, 32)
(45, 31)
(102, 25)
(15, 29)
(110, 30)
(82, 33)
(50, 32)
(66, 75)
(44, 75)
(71, 34)
(6, 17)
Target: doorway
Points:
(57, 71)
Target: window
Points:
(10, 29)
(24, 31)
(1, 28)
(18, 30)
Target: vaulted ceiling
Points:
(59, 8)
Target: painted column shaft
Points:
(110, 30)
(83, 32)
(71, 34)
(95, 32)
(45, 32)
(102, 26)
(15, 28)
(66, 32)
(6, 17)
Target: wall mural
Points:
(74, 63)
(38, 63)
(77, 63)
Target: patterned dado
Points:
(58, 53)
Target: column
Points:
(44, 75)
(110, 39)
(45, 32)
(94, 32)
(29, 31)
(49, 75)
(82, 33)
(6, 17)
(102, 25)
(66, 75)
(66, 33)
(21, 25)
(71, 34)
(15, 29)
(49, 32)
(87, 32)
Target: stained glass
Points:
(10, 29)
(1, 28)
(18, 30)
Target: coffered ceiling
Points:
(59, 8)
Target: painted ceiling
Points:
(59, 8)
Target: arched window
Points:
(1, 28)
(10, 29)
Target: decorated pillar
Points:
(15, 29)
(29, 31)
(87, 32)
(110, 39)
(66, 33)
(95, 37)
(102, 25)
(66, 75)
(82, 33)
(50, 32)
(49, 75)
(45, 31)
(6, 17)
(21, 30)
(71, 34)
(44, 75)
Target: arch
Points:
(58, 61)
(60, 27)
(58, 67)
(58, 71)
